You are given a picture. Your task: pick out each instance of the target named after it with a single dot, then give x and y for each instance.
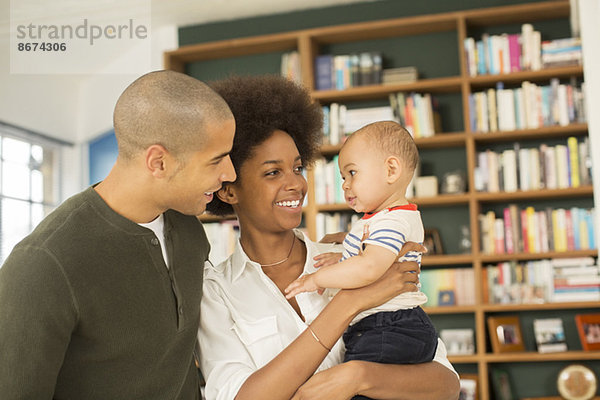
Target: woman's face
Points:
(270, 188)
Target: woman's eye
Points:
(300, 169)
(271, 173)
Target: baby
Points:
(377, 164)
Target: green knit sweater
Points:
(88, 309)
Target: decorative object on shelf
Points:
(501, 385)
(468, 387)
(426, 186)
(446, 298)
(505, 334)
(588, 326)
(549, 335)
(433, 242)
(577, 382)
(465, 240)
(454, 182)
(459, 342)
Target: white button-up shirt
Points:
(246, 321)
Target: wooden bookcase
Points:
(310, 42)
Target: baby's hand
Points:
(325, 259)
(306, 283)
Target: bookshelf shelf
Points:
(545, 306)
(541, 133)
(439, 140)
(492, 258)
(483, 81)
(449, 259)
(433, 85)
(531, 356)
(451, 85)
(502, 197)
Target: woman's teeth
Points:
(293, 203)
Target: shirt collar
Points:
(408, 207)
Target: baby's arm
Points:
(351, 273)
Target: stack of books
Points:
(340, 122)
(417, 112)
(561, 52)
(399, 75)
(542, 281)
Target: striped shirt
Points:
(389, 228)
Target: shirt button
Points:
(154, 241)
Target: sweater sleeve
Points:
(38, 315)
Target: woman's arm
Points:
(283, 375)
(428, 381)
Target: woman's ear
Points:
(227, 194)
(394, 169)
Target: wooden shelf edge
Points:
(536, 307)
(491, 258)
(543, 132)
(501, 197)
(531, 356)
(520, 76)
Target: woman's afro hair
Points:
(261, 105)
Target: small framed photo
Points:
(588, 326)
(549, 335)
(468, 387)
(505, 334)
(501, 385)
(459, 342)
(433, 242)
(446, 298)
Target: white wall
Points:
(589, 12)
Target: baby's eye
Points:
(352, 172)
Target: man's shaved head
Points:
(166, 108)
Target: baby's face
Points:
(364, 176)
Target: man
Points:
(102, 300)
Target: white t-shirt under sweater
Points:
(158, 227)
(246, 321)
(389, 228)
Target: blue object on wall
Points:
(102, 156)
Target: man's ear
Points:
(227, 194)
(157, 158)
(394, 168)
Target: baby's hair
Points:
(392, 139)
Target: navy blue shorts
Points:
(395, 337)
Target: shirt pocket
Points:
(260, 337)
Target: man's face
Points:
(192, 187)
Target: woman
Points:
(254, 343)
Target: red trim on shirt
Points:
(409, 207)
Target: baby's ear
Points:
(395, 169)
(227, 194)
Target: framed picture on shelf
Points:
(549, 335)
(505, 334)
(501, 385)
(433, 242)
(468, 387)
(459, 342)
(588, 326)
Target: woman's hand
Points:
(325, 259)
(336, 383)
(337, 238)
